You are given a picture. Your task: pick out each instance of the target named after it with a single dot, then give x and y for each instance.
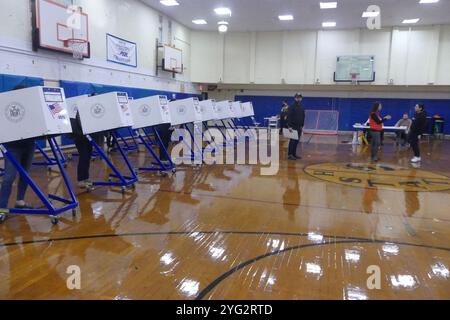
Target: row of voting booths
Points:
(44, 113)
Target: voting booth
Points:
(247, 110)
(72, 105)
(185, 111)
(237, 109)
(150, 111)
(36, 112)
(208, 109)
(33, 113)
(105, 112)
(147, 113)
(223, 109)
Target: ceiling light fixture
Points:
(370, 14)
(223, 28)
(199, 21)
(223, 11)
(410, 21)
(428, 1)
(169, 3)
(329, 24)
(328, 5)
(287, 17)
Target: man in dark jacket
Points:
(296, 121)
(418, 127)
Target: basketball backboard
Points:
(56, 23)
(173, 59)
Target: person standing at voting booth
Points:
(23, 152)
(85, 149)
(376, 129)
(418, 128)
(296, 121)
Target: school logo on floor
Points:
(14, 112)
(98, 111)
(379, 176)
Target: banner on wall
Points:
(121, 51)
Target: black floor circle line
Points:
(187, 233)
(244, 264)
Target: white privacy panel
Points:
(33, 112)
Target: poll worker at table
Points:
(23, 152)
(402, 135)
(296, 121)
(418, 128)
(376, 128)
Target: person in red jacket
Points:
(376, 128)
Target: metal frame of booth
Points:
(124, 181)
(147, 141)
(47, 200)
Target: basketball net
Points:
(354, 77)
(78, 47)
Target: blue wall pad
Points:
(351, 110)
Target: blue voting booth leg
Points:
(121, 180)
(49, 161)
(229, 141)
(47, 200)
(159, 165)
(128, 147)
(213, 148)
(147, 135)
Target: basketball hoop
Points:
(354, 76)
(78, 47)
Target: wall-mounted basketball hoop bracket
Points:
(170, 58)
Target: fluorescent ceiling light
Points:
(222, 23)
(287, 17)
(170, 3)
(409, 21)
(223, 11)
(428, 1)
(370, 14)
(329, 24)
(328, 5)
(199, 21)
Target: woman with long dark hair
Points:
(376, 128)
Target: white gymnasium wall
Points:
(128, 19)
(236, 59)
(408, 56)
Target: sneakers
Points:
(22, 205)
(292, 157)
(416, 159)
(84, 184)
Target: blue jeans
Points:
(24, 155)
(293, 144)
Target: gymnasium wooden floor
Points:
(226, 232)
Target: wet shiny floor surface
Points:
(227, 232)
